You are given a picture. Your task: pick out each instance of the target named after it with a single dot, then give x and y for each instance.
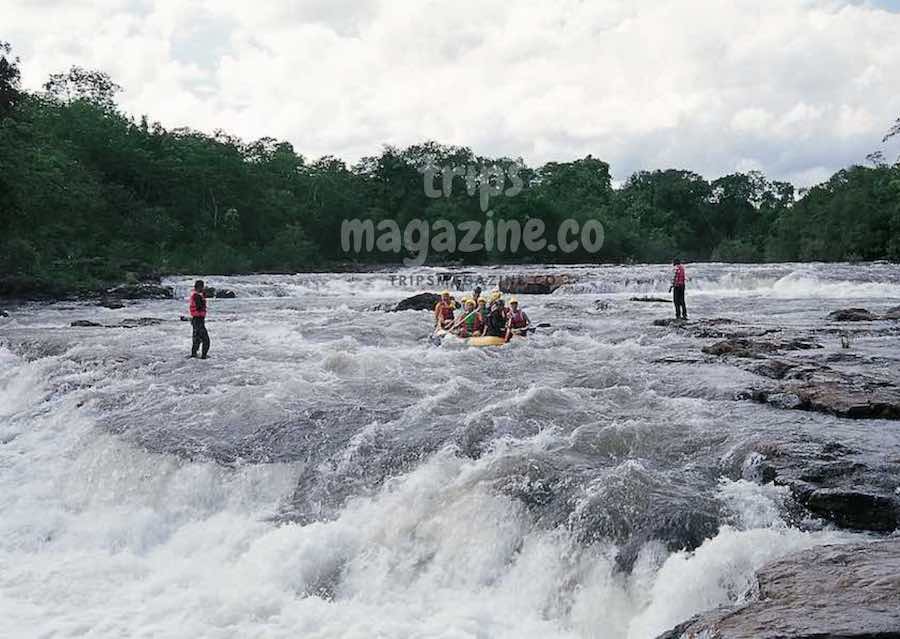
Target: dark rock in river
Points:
(4, 313)
(670, 321)
(130, 322)
(140, 292)
(84, 324)
(219, 293)
(112, 304)
(851, 315)
(892, 313)
(661, 300)
(420, 302)
(854, 509)
(533, 284)
(137, 322)
(829, 592)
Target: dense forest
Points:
(88, 195)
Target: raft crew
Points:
(677, 290)
(443, 311)
(197, 308)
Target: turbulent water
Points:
(331, 473)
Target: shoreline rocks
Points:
(828, 592)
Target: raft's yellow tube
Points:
(486, 340)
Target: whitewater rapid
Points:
(331, 473)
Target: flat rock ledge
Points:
(830, 592)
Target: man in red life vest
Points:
(443, 311)
(197, 303)
(677, 290)
(516, 320)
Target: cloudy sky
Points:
(796, 88)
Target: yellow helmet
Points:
(513, 300)
(481, 300)
(445, 293)
(468, 301)
(495, 295)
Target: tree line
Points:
(89, 195)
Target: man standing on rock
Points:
(198, 320)
(677, 290)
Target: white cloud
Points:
(795, 88)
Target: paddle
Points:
(519, 331)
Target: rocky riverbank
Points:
(830, 592)
(833, 482)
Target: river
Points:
(329, 472)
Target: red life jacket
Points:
(517, 319)
(679, 275)
(196, 312)
(444, 310)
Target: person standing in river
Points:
(677, 290)
(197, 305)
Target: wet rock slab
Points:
(844, 398)
(745, 347)
(829, 592)
(862, 315)
(852, 315)
(836, 483)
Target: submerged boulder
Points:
(128, 322)
(132, 322)
(219, 293)
(851, 315)
(892, 313)
(830, 592)
(659, 300)
(85, 324)
(670, 322)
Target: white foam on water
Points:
(101, 539)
